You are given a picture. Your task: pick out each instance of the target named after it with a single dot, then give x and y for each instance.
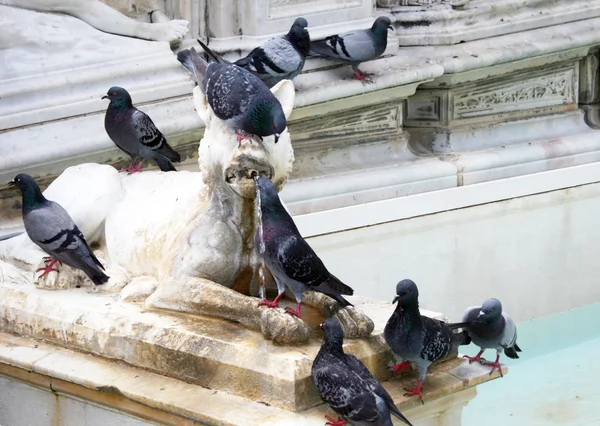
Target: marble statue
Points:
(105, 18)
(181, 241)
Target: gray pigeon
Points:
(490, 328)
(50, 227)
(135, 133)
(288, 256)
(417, 338)
(348, 386)
(236, 96)
(356, 46)
(280, 58)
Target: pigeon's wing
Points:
(437, 340)
(354, 46)
(147, 132)
(376, 388)
(230, 90)
(276, 58)
(300, 263)
(509, 336)
(344, 391)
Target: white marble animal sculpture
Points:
(181, 241)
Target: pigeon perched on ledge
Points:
(236, 96)
(135, 133)
(348, 386)
(280, 58)
(288, 256)
(417, 338)
(490, 328)
(356, 46)
(50, 227)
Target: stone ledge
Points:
(172, 402)
(442, 25)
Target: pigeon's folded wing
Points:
(300, 262)
(146, 131)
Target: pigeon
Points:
(490, 328)
(280, 58)
(356, 46)
(236, 96)
(135, 134)
(348, 386)
(50, 227)
(417, 338)
(288, 256)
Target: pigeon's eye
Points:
(406, 291)
(114, 93)
(274, 126)
(492, 310)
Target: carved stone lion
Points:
(182, 241)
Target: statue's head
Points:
(223, 159)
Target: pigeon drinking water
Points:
(348, 386)
(490, 328)
(356, 46)
(50, 227)
(135, 133)
(288, 256)
(236, 96)
(417, 338)
(281, 57)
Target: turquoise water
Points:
(556, 380)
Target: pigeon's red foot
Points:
(401, 367)
(49, 267)
(363, 76)
(338, 422)
(132, 169)
(476, 358)
(417, 391)
(242, 136)
(495, 365)
(273, 304)
(293, 312)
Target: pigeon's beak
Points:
(322, 326)
(395, 299)
(105, 97)
(11, 183)
(391, 27)
(481, 313)
(277, 137)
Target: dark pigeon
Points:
(490, 328)
(417, 338)
(348, 386)
(356, 46)
(280, 58)
(135, 133)
(236, 96)
(288, 256)
(50, 227)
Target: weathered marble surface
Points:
(171, 358)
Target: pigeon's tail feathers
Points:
(456, 325)
(462, 339)
(511, 352)
(98, 277)
(396, 413)
(334, 288)
(170, 153)
(212, 55)
(163, 163)
(190, 59)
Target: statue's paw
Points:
(139, 289)
(172, 31)
(283, 328)
(118, 279)
(356, 324)
(60, 278)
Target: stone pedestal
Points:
(169, 367)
